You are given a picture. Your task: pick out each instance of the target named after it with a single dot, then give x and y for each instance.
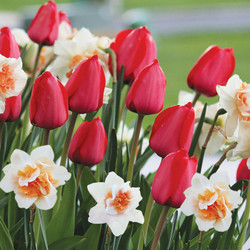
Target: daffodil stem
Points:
(223, 157)
(147, 216)
(196, 97)
(79, 176)
(46, 136)
(160, 225)
(245, 219)
(133, 148)
(200, 240)
(68, 138)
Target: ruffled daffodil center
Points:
(242, 101)
(7, 81)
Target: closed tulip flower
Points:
(85, 86)
(214, 67)
(243, 172)
(12, 109)
(89, 143)
(146, 95)
(8, 44)
(49, 102)
(173, 130)
(173, 177)
(134, 49)
(45, 25)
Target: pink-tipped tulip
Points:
(45, 25)
(49, 102)
(8, 44)
(214, 67)
(146, 95)
(173, 177)
(89, 143)
(172, 130)
(63, 17)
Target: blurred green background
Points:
(178, 53)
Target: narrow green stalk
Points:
(46, 136)
(1, 131)
(133, 148)
(79, 176)
(160, 225)
(196, 97)
(245, 219)
(123, 105)
(200, 240)
(68, 138)
(147, 214)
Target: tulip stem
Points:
(245, 219)
(147, 216)
(1, 132)
(68, 138)
(196, 97)
(223, 157)
(200, 240)
(46, 136)
(160, 225)
(133, 148)
(79, 176)
(123, 105)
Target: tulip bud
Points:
(49, 102)
(8, 44)
(173, 130)
(45, 25)
(12, 109)
(214, 67)
(89, 143)
(173, 177)
(85, 86)
(146, 95)
(63, 17)
(134, 49)
(243, 172)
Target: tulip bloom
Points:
(12, 109)
(89, 143)
(116, 203)
(8, 44)
(146, 95)
(213, 68)
(86, 86)
(243, 172)
(173, 177)
(211, 201)
(45, 25)
(34, 178)
(134, 49)
(173, 130)
(48, 103)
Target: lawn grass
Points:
(177, 56)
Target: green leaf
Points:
(3, 202)
(3, 143)
(40, 215)
(126, 240)
(15, 229)
(173, 229)
(137, 239)
(63, 223)
(12, 210)
(68, 243)
(5, 238)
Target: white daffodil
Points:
(116, 204)
(235, 99)
(12, 78)
(71, 52)
(211, 201)
(34, 177)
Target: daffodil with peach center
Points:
(6, 79)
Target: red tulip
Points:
(214, 67)
(173, 177)
(243, 172)
(45, 25)
(8, 44)
(173, 130)
(63, 17)
(89, 143)
(146, 95)
(134, 49)
(85, 86)
(12, 109)
(49, 102)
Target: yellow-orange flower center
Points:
(40, 186)
(218, 209)
(74, 61)
(120, 202)
(6, 79)
(242, 102)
